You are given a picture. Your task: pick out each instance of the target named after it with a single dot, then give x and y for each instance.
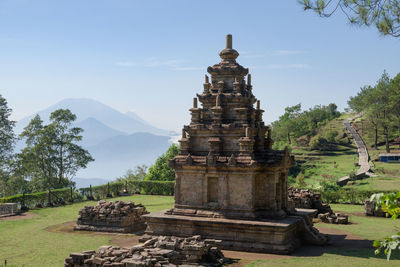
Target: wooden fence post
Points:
(49, 198)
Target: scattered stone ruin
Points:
(8, 209)
(119, 216)
(229, 183)
(336, 218)
(306, 199)
(158, 251)
(370, 209)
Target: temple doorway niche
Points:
(212, 189)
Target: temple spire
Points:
(228, 41)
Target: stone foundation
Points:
(370, 209)
(156, 251)
(273, 236)
(8, 209)
(123, 217)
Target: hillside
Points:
(338, 159)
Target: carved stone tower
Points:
(226, 170)
(226, 166)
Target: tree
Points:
(384, 14)
(160, 171)
(294, 123)
(287, 122)
(52, 156)
(138, 174)
(394, 98)
(7, 140)
(380, 105)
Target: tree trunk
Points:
(288, 138)
(387, 140)
(376, 138)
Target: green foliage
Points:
(294, 124)
(160, 171)
(300, 180)
(329, 186)
(346, 195)
(380, 104)
(389, 203)
(51, 156)
(132, 186)
(138, 174)
(7, 139)
(353, 175)
(384, 14)
(319, 143)
(330, 136)
(41, 198)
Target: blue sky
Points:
(151, 56)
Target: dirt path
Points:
(362, 151)
(340, 240)
(25, 215)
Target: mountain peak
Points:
(85, 108)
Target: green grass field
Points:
(26, 242)
(369, 228)
(326, 165)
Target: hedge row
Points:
(97, 192)
(42, 198)
(138, 187)
(348, 196)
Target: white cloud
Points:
(287, 66)
(287, 52)
(127, 64)
(154, 62)
(188, 68)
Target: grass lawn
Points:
(27, 242)
(326, 165)
(370, 228)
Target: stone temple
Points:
(229, 183)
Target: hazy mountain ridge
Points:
(117, 141)
(85, 108)
(96, 132)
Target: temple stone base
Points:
(271, 236)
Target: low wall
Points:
(120, 216)
(8, 209)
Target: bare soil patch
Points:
(22, 216)
(339, 240)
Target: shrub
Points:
(300, 180)
(331, 136)
(41, 198)
(318, 143)
(142, 187)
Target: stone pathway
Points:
(363, 156)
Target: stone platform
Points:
(272, 236)
(8, 209)
(119, 217)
